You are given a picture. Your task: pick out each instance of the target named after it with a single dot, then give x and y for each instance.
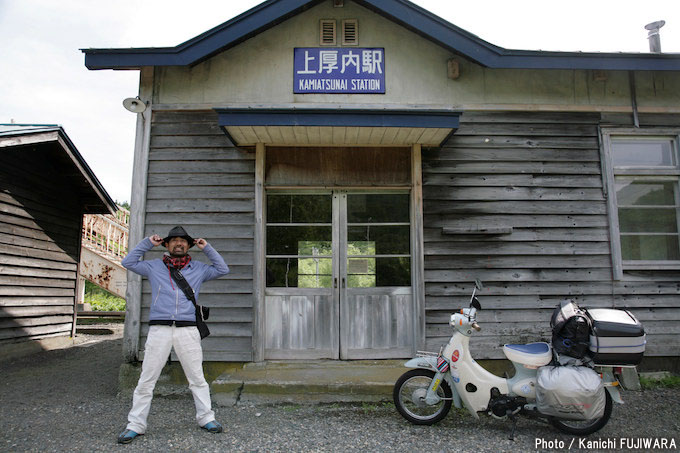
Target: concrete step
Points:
(308, 382)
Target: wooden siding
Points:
(537, 177)
(339, 166)
(40, 219)
(198, 179)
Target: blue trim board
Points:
(347, 118)
(272, 12)
(203, 46)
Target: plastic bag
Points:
(571, 392)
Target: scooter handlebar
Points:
(476, 326)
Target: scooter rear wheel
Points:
(583, 428)
(409, 397)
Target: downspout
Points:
(133, 295)
(633, 98)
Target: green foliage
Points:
(102, 300)
(124, 204)
(668, 382)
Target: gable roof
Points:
(403, 12)
(65, 158)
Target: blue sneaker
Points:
(212, 427)
(127, 436)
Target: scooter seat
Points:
(532, 354)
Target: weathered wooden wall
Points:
(197, 179)
(40, 220)
(538, 174)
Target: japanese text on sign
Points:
(339, 70)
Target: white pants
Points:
(187, 344)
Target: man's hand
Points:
(200, 243)
(156, 240)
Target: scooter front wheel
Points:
(409, 397)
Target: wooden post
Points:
(78, 287)
(259, 280)
(133, 296)
(417, 241)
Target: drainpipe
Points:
(654, 47)
(633, 98)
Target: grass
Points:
(102, 300)
(668, 382)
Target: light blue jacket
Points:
(168, 302)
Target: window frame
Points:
(609, 172)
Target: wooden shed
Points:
(360, 163)
(45, 188)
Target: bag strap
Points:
(184, 285)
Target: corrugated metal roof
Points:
(14, 129)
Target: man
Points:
(172, 324)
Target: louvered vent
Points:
(327, 32)
(350, 32)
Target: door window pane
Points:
(315, 272)
(642, 152)
(387, 240)
(283, 208)
(284, 240)
(377, 208)
(299, 272)
(282, 272)
(361, 273)
(393, 271)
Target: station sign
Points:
(340, 70)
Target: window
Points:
(299, 241)
(644, 171)
(378, 240)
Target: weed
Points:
(667, 382)
(102, 300)
(291, 408)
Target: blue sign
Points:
(339, 70)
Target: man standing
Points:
(172, 324)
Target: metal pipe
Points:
(653, 35)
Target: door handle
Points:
(344, 284)
(335, 283)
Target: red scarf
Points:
(176, 262)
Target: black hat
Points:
(178, 232)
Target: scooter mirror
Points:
(475, 304)
(478, 284)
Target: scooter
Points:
(424, 395)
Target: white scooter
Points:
(424, 395)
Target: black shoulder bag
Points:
(202, 313)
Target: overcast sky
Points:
(44, 80)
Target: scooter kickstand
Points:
(513, 418)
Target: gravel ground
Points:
(65, 400)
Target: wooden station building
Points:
(360, 163)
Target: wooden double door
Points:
(338, 281)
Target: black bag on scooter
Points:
(570, 330)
